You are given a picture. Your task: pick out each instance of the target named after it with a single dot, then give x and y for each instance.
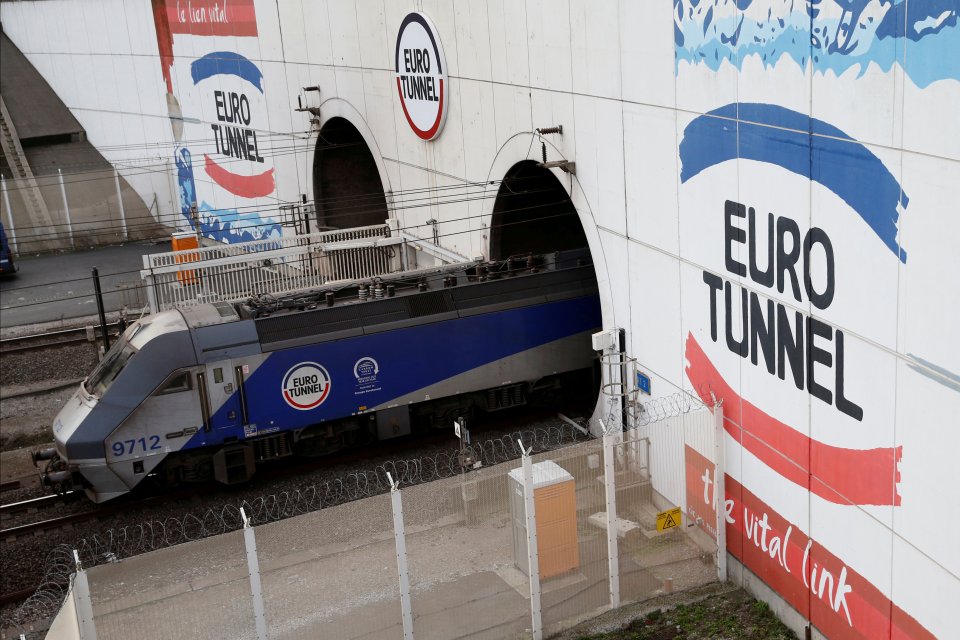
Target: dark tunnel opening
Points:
(346, 183)
(533, 214)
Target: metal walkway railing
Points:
(235, 272)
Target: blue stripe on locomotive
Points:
(408, 359)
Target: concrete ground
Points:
(59, 286)
(466, 588)
(333, 574)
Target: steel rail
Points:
(34, 503)
(51, 339)
(48, 334)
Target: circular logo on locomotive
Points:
(366, 369)
(421, 76)
(306, 386)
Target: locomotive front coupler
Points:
(57, 475)
(42, 454)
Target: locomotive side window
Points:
(217, 375)
(176, 384)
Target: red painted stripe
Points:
(429, 133)
(872, 614)
(241, 18)
(859, 476)
(286, 394)
(253, 186)
(323, 396)
(164, 41)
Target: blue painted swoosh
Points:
(802, 145)
(226, 62)
(824, 35)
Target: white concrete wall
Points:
(101, 59)
(857, 136)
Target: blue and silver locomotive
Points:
(211, 391)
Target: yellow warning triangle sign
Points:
(668, 519)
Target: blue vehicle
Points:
(7, 265)
(213, 391)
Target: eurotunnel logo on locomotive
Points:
(306, 386)
(421, 76)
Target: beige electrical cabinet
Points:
(555, 503)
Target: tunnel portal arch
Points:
(347, 188)
(533, 213)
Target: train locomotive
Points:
(212, 391)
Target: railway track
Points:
(268, 476)
(125, 505)
(53, 339)
(36, 506)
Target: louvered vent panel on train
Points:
(428, 304)
(524, 288)
(308, 323)
(380, 314)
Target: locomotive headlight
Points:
(74, 412)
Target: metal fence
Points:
(510, 550)
(235, 272)
(50, 210)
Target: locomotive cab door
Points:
(225, 415)
(224, 403)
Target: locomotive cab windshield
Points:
(109, 368)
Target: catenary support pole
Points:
(98, 294)
(123, 214)
(66, 208)
(400, 540)
(253, 567)
(11, 233)
(533, 555)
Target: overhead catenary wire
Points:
(400, 195)
(271, 151)
(405, 203)
(162, 165)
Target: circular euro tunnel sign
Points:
(305, 386)
(421, 71)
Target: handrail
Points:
(157, 261)
(204, 400)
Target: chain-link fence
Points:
(505, 550)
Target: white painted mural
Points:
(768, 188)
